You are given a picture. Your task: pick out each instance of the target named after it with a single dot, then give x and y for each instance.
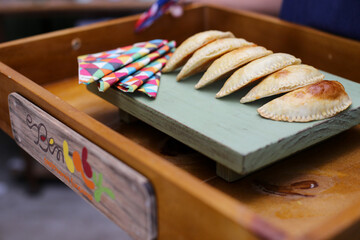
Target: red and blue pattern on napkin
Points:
(131, 68)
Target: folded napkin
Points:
(151, 86)
(94, 70)
(131, 68)
(112, 78)
(132, 82)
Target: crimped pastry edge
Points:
(329, 113)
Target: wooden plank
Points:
(226, 131)
(226, 173)
(121, 193)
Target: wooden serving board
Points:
(230, 133)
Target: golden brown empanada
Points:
(190, 45)
(203, 57)
(285, 80)
(231, 61)
(255, 70)
(312, 102)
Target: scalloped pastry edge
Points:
(326, 114)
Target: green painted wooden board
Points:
(231, 133)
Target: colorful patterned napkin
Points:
(151, 86)
(112, 78)
(131, 68)
(132, 82)
(93, 71)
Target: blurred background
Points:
(22, 18)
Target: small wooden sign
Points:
(118, 191)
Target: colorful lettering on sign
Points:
(42, 135)
(86, 165)
(75, 163)
(68, 179)
(69, 162)
(78, 166)
(100, 189)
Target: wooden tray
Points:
(226, 131)
(191, 201)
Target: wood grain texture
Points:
(73, 93)
(226, 173)
(231, 133)
(331, 206)
(118, 191)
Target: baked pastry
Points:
(203, 57)
(285, 80)
(229, 62)
(312, 102)
(190, 45)
(255, 70)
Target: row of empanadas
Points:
(190, 45)
(256, 70)
(231, 61)
(246, 62)
(203, 57)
